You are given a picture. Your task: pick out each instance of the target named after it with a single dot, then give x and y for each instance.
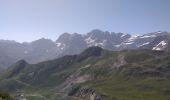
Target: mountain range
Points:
(70, 44)
(94, 74)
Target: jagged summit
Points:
(70, 44)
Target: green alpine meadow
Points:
(94, 74)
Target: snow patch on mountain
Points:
(58, 44)
(117, 46)
(133, 38)
(89, 41)
(128, 43)
(123, 35)
(144, 44)
(147, 36)
(61, 46)
(161, 46)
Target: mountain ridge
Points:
(66, 44)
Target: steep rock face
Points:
(71, 43)
(39, 50)
(75, 43)
(107, 40)
(36, 51)
(135, 42)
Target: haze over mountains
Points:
(70, 44)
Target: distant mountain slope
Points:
(70, 44)
(159, 43)
(95, 73)
(5, 60)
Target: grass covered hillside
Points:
(5, 96)
(95, 74)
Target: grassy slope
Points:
(5, 96)
(125, 83)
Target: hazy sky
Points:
(27, 20)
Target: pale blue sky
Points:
(27, 20)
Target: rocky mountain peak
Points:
(63, 37)
(42, 40)
(70, 44)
